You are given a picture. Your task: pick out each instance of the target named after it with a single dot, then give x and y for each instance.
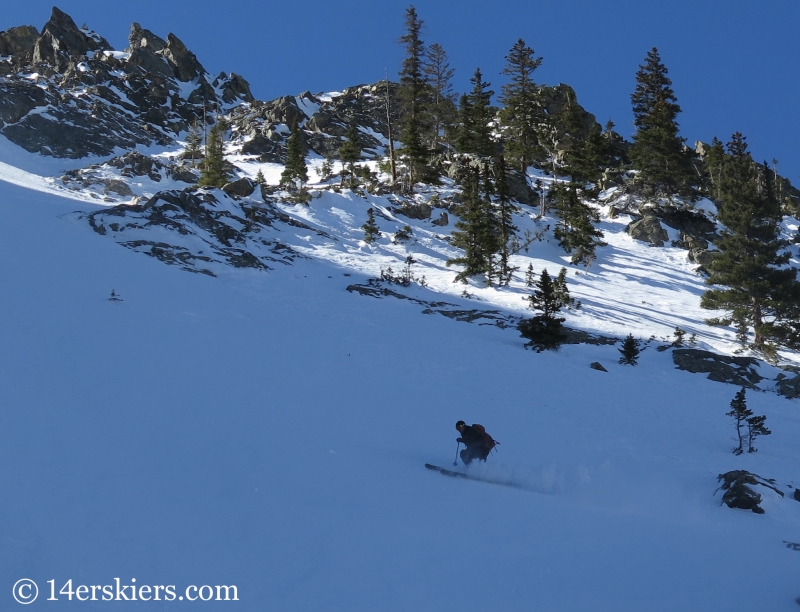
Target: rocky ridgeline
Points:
(65, 92)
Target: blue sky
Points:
(735, 65)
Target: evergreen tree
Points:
(575, 231)
(194, 138)
(325, 171)
(758, 291)
(593, 157)
(350, 153)
(665, 167)
(740, 413)
(475, 116)
(261, 182)
(438, 76)
(476, 232)
(523, 111)
(562, 292)
(371, 230)
(295, 173)
(414, 95)
(214, 172)
(530, 276)
(713, 161)
(755, 428)
(630, 351)
(545, 330)
(505, 221)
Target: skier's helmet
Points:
(460, 424)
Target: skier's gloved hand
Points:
(460, 440)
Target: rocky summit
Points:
(66, 92)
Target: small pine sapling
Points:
(562, 292)
(325, 171)
(630, 351)
(371, 230)
(530, 276)
(755, 428)
(740, 414)
(679, 336)
(262, 183)
(407, 277)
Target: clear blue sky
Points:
(735, 64)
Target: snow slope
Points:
(269, 430)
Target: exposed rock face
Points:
(206, 233)
(132, 164)
(442, 221)
(690, 223)
(18, 42)
(596, 365)
(61, 41)
(648, 229)
(92, 100)
(184, 63)
(738, 492)
(740, 371)
(140, 38)
(240, 188)
(789, 386)
(263, 127)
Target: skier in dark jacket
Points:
(478, 443)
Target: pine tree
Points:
(545, 330)
(475, 116)
(214, 173)
(713, 161)
(575, 231)
(371, 230)
(261, 182)
(755, 428)
(295, 173)
(414, 95)
(740, 413)
(562, 291)
(530, 276)
(438, 76)
(665, 167)
(350, 153)
(505, 221)
(325, 171)
(592, 158)
(550, 295)
(194, 139)
(476, 232)
(630, 351)
(759, 292)
(523, 111)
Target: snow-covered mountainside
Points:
(255, 405)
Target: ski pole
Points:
(455, 461)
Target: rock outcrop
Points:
(648, 229)
(92, 100)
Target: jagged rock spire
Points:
(61, 40)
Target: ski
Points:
(454, 474)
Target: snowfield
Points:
(268, 430)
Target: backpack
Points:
(488, 441)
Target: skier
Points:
(478, 443)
